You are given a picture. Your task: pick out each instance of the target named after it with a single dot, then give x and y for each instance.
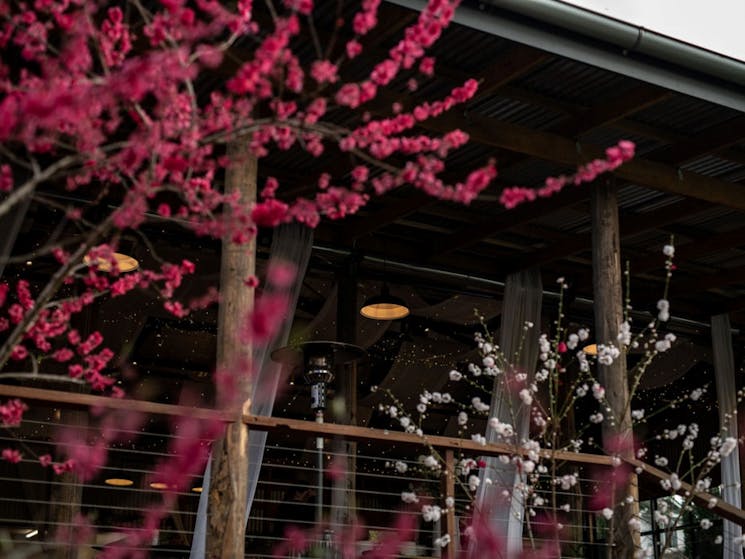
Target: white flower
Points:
(462, 418)
(488, 361)
(729, 444)
(409, 497)
(712, 502)
(526, 397)
(624, 335)
(598, 391)
(455, 375)
(393, 411)
(662, 346)
(607, 354)
(663, 305)
(431, 462)
(401, 467)
(596, 418)
(675, 482)
(572, 341)
(607, 513)
(543, 344)
(583, 334)
(582, 391)
(480, 439)
(660, 461)
(478, 405)
(475, 370)
(443, 541)
(637, 414)
(718, 539)
(668, 250)
(567, 481)
(705, 523)
(635, 524)
(528, 466)
(405, 421)
(473, 482)
(446, 398)
(449, 502)
(421, 408)
(696, 394)
(431, 513)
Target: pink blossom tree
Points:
(129, 106)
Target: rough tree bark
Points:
(617, 428)
(226, 524)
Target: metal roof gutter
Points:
(630, 38)
(604, 42)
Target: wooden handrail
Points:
(715, 504)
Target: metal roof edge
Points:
(609, 44)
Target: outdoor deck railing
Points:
(36, 505)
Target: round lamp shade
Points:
(384, 307)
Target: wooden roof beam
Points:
(553, 147)
(630, 225)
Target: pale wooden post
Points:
(226, 524)
(607, 282)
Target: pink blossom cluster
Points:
(615, 156)
(11, 413)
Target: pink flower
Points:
(11, 413)
(354, 48)
(269, 213)
(11, 455)
(19, 353)
(324, 71)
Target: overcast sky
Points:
(717, 25)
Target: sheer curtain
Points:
(291, 243)
(724, 372)
(522, 300)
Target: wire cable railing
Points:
(361, 494)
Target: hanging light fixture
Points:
(384, 306)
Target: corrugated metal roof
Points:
(576, 82)
(685, 115)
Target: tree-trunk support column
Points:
(226, 524)
(617, 427)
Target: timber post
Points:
(226, 522)
(618, 432)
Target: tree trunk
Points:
(226, 525)
(617, 427)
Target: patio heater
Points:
(317, 362)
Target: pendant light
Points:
(384, 306)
